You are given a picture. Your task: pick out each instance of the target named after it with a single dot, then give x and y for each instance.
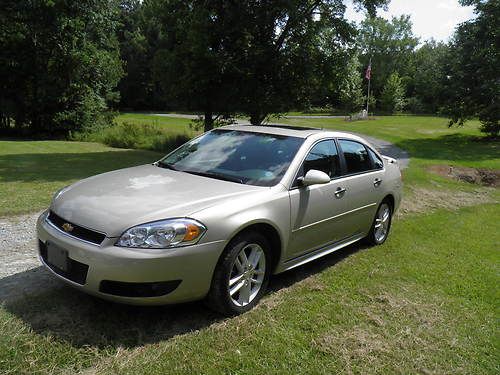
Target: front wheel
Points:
(381, 225)
(242, 274)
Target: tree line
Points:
(69, 65)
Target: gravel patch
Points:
(18, 248)
(20, 270)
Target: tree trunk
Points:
(209, 122)
(256, 118)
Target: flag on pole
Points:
(368, 73)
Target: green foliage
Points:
(351, 88)
(250, 56)
(138, 38)
(426, 83)
(193, 63)
(392, 98)
(390, 45)
(472, 80)
(134, 135)
(415, 105)
(60, 64)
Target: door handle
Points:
(377, 182)
(339, 192)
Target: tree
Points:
(134, 50)
(60, 63)
(194, 62)
(393, 99)
(426, 84)
(390, 45)
(351, 89)
(472, 82)
(258, 57)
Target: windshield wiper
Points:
(162, 164)
(218, 176)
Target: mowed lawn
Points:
(32, 171)
(424, 302)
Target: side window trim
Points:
(294, 183)
(344, 164)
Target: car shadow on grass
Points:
(53, 309)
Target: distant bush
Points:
(132, 135)
(415, 105)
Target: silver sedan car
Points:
(215, 218)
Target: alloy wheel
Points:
(247, 274)
(382, 222)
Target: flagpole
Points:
(368, 92)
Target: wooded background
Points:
(69, 65)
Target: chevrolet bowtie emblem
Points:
(68, 227)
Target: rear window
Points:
(356, 156)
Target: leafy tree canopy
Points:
(390, 45)
(472, 80)
(253, 56)
(59, 61)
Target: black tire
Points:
(218, 297)
(372, 238)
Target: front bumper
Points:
(192, 265)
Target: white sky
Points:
(431, 18)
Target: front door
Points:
(316, 211)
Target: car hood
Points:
(115, 201)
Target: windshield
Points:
(238, 156)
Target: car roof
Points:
(291, 131)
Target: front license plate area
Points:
(57, 257)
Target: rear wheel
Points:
(381, 225)
(242, 274)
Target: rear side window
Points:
(377, 162)
(356, 156)
(323, 157)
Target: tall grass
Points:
(134, 136)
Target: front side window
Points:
(239, 156)
(356, 156)
(323, 157)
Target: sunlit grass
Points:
(31, 171)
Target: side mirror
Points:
(314, 177)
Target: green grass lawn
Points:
(31, 171)
(424, 302)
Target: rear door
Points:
(363, 178)
(316, 210)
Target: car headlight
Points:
(163, 234)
